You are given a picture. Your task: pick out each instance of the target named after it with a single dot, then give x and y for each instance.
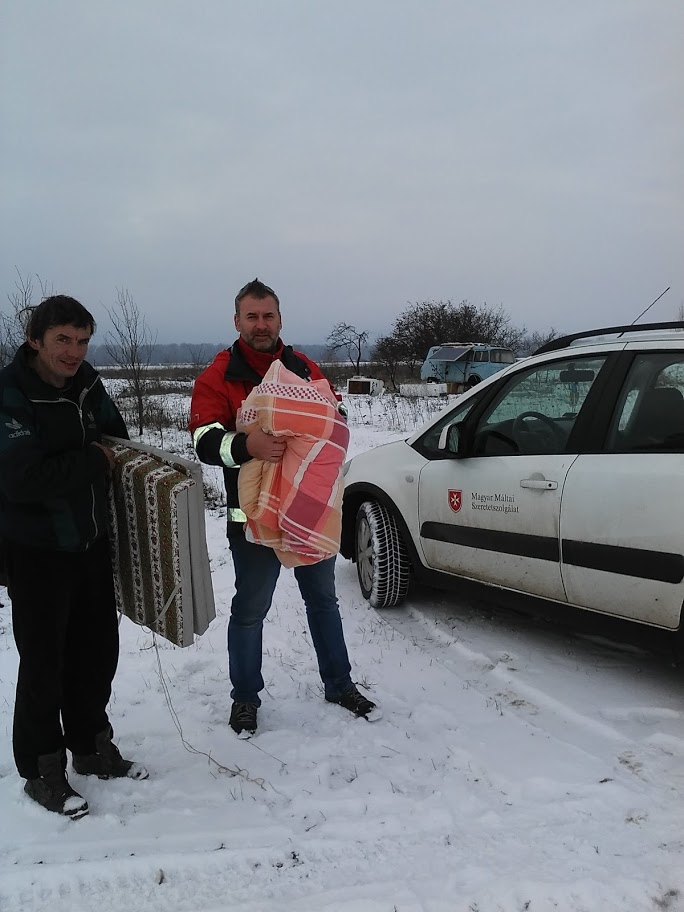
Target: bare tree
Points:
(389, 353)
(530, 344)
(429, 323)
(13, 324)
(199, 357)
(129, 345)
(348, 339)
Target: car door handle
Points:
(539, 484)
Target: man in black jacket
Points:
(53, 521)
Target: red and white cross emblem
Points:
(455, 500)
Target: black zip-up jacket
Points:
(53, 492)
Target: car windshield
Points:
(447, 353)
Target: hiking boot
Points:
(356, 703)
(107, 762)
(51, 789)
(243, 719)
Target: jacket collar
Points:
(239, 369)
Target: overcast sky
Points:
(357, 156)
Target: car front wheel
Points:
(382, 561)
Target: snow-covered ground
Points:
(518, 767)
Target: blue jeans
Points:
(256, 573)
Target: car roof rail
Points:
(565, 341)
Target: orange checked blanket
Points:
(295, 506)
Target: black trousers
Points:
(67, 635)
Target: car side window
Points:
(536, 410)
(650, 411)
(441, 440)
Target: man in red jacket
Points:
(218, 394)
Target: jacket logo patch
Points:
(455, 500)
(19, 431)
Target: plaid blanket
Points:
(161, 568)
(295, 506)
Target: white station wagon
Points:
(561, 477)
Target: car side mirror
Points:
(451, 439)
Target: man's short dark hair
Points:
(58, 310)
(255, 289)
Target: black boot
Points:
(107, 762)
(52, 790)
(356, 703)
(243, 719)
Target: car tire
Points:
(382, 561)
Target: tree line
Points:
(131, 346)
(426, 323)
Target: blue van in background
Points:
(463, 364)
